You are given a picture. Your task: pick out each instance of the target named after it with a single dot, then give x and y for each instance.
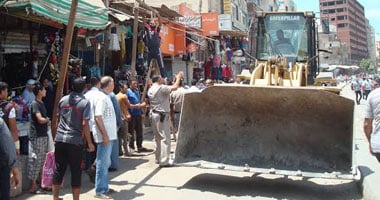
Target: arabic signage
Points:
(192, 21)
(210, 24)
(172, 39)
(190, 17)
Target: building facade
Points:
(348, 16)
(371, 43)
(287, 5)
(269, 5)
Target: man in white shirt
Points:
(8, 113)
(367, 86)
(105, 135)
(91, 96)
(372, 121)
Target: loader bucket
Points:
(276, 128)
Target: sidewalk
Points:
(368, 165)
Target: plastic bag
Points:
(50, 140)
(48, 170)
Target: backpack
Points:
(5, 109)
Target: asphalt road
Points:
(140, 178)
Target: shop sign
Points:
(179, 41)
(210, 24)
(190, 17)
(227, 6)
(225, 22)
(167, 39)
(192, 21)
(172, 39)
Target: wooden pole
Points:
(156, 70)
(134, 40)
(64, 62)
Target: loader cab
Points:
(288, 34)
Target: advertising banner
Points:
(210, 24)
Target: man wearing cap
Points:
(372, 113)
(28, 94)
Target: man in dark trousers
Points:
(135, 126)
(73, 124)
(152, 41)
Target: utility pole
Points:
(64, 62)
(200, 7)
(134, 39)
(199, 41)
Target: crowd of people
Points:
(94, 120)
(362, 87)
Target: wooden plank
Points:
(64, 63)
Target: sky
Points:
(371, 9)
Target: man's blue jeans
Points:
(115, 155)
(103, 162)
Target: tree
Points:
(365, 64)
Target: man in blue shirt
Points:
(115, 149)
(135, 125)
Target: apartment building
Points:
(349, 18)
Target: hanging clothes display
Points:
(214, 73)
(140, 49)
(219, 70)
(244, 43)
(226, 72)
(228, 54)
(223, 57)
(217, 47)
(123, 51)
(222, 43)
(216, 60)
(235, 43)
(114, 44)
(152, 41)
(208, 67)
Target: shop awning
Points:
(91, 14)
(2, 2)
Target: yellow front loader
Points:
(277, 124)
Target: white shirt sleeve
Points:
(12, 114)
